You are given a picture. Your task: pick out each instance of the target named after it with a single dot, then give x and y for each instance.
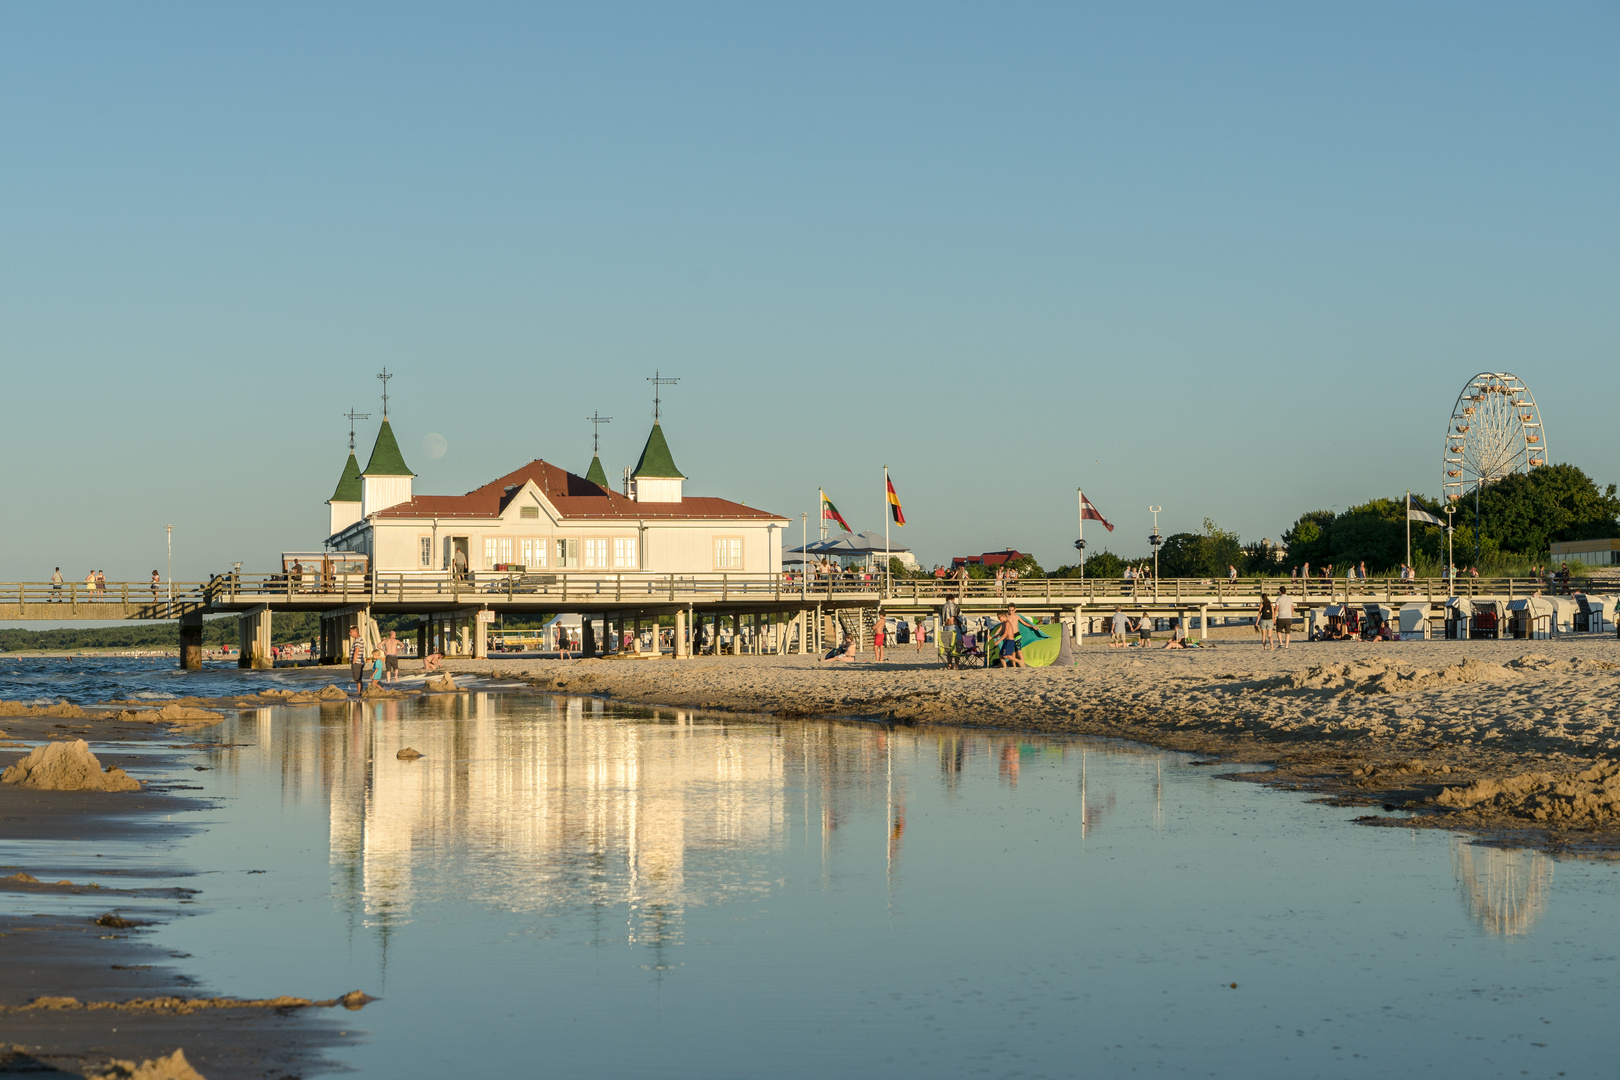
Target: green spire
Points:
(595, 473)
(656, 461)
(386, 460)
(348, 489)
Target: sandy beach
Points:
(1392, 724)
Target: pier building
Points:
(542, 519)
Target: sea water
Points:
(564, 887)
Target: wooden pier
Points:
(799, 606)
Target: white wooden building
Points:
(545, 519)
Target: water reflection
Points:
(1506, 890)
(555, 805)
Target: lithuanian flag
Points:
(829, 512)
(895, 512)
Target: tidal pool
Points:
(564, 888)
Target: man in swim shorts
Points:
(1285, 618)
(1117, 637)
(390, 649)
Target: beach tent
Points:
(1459, 614)
(1599, 614)
(1490, 619)
(1414, 622)
(1564, 611)
(1532, 617)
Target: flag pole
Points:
(1081, 496)
(1408, 527)
(821, 509)
(886, 516)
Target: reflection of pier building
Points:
(544, 812)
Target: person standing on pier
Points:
(156, 583)
(56, 585)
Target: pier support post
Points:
(680, 634)
(421, 639)
(1203, 623)
(1079, 627)
(587, 635)
(191, 644)
(480, 642)
(253, 638)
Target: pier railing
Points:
(557, 590)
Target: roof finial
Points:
(658, 382)
(385, 377)
(353, 416)
(596, 431)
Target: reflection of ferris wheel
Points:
(1495, 431)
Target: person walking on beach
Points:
(880, 632)
(1116, 639)
(919, 633)
(357, 660)
(1263, 622)
(390, 649)
(1285, 619)
(56, 585)
(1012, 648)
(1144, 630)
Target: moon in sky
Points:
(434, 445)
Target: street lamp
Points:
(169, 530)
(1451, 568)
(1155, 540)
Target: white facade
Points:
(343, 514)
(381, 492)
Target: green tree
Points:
(1524, 513)
(1373, 532)
(1308, 539)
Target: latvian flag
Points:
(895, 512)
(829, 512)
(1091, 513)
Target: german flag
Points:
(829, 512)
(895, 512)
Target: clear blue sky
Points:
(1233, 259)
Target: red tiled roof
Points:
(573, 496)
(989, 558)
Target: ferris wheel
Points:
(1495, 431)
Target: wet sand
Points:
(1391, 724)
(46, 953)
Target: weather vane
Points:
(596, 431)
(659, 382)
(353, 416)
(385, 377)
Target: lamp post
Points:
(169, 531)
(1155, 540)
(1451, 508)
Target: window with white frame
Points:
(728, 553)
(596, 554)
(624, 553)
(534, 553)
(567, 553)
(497, 550)
(426, 556)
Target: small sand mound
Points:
(410, 753)
(182, 714)
(67, 766)
(442, 682)
(62, 710)
(173, 1067)
(1581, 800)
(332, 693)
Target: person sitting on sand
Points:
(845, 651)
(1178, 636)
(431, 661)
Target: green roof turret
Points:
(656, 461)
(348, 486)
(596, 474)
(386, 460)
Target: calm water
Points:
(559, 888)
